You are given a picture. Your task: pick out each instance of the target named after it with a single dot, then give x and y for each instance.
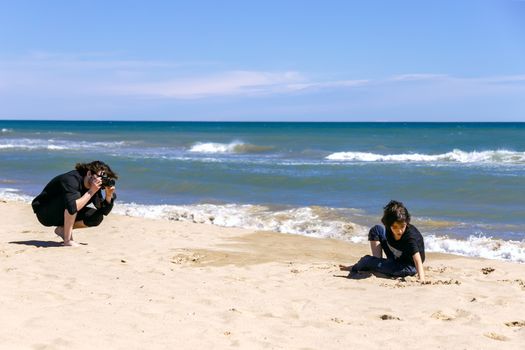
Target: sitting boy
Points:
(402, 243)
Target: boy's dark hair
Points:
(395, 211)
(95, 167)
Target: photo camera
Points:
(106, 180)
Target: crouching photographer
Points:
(64, 201)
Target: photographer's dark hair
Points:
(95, 167)
(395, 211)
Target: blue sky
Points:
(373, 60)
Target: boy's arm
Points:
(419, 266)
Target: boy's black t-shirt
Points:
(410, 243)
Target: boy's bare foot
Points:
(345, 268)
(71, 244)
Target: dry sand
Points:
(154, 284)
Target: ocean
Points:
(463, 183)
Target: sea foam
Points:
(455, 156)
(14, 195)
(225, 148)
(319, 222)
(478, 246)
(308, 221)
(56, 145)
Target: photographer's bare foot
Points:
(71, 244)
(59, 231)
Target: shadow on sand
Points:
(355, 276)
(39, 244)
(363, 275)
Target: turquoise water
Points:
(460, 180)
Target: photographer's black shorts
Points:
(52, 214)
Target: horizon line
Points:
(255, 121)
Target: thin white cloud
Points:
(102, 74)
(105, 75)
(328, 84)
(419, 77)
(234, 83)
(221, 84)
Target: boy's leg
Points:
(367, 263)
(385, 266)
(402, 270)
(377, 238)
(374, 237)
(394, 269)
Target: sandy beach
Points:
(155, 284)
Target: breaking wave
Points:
(232, 147)
(455, 156)
(56, 145)
(478, 246)
(13, 194)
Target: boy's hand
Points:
(419, 266)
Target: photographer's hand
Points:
(95, 183)
(109, 193)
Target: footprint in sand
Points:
(449, 316)
(186, 258)
(519, 324)
(337, 320)
(437, 269)
(389, 317)
(496, 336)
(487, 270)
(439, 315)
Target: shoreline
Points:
(163, 284)
(311, 221)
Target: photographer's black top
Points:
(70, 187)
